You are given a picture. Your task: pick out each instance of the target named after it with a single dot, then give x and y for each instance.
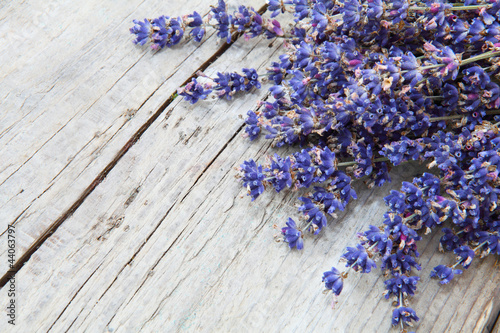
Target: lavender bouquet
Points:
(363, 86)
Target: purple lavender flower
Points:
(444, 273)
(428, 183)
(401, 284)
(404, 315)
(363, 157)
(450, 95)
(223, 21)
(380, 175)
(277, 91)
(414, 196)
(327, 200)
(449, 241)
(396, 201)
(193, 91)
(273, 29)
(400, 262)
(256, 26)
(252, 79)
(279, 170)
(351, 13)
(275, 6)
(333, 281)
(378, 239)
(493, 243)
(398, 11)
(168, 32)
(411, 66)
(341, 183)
(327, 164)
(306, 170)
(375, 9)
(403, 150)
(301, 9)
(283, 130)
(313, 212)
(358, 259)
(195, 22)
(252, 177)
(142, 30)
(459, 31)
(292, 235)
(464, 256)
(224, 85)
(243, 18)
(476, 75)
(252, 128)
(319, 19)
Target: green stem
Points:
(469, 7)
(406, 219)
(380, 159)
(417, 8)
(308, 225)
(430, 67)
(371, 247)
(482, 56)
(480, 245)
(459, 116)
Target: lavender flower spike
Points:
(193, 91)
(333, 281)
(292, 235)
(404, 314)
(445, 273)
(357, 257)
(252, 178)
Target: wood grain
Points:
(75, 93)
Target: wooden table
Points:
(126, 212)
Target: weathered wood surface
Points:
(73, 95)
(169, 241)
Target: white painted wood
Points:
(74, 90)
(170, 242)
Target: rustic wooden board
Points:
(74, 91)
(169, 242)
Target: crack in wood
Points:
(495, 323)
(212, 161)
(76, 293)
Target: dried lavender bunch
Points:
(379, 91)
(363, 86)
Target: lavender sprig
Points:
(166, 31)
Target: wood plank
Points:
(167, 243)
(73, 96)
